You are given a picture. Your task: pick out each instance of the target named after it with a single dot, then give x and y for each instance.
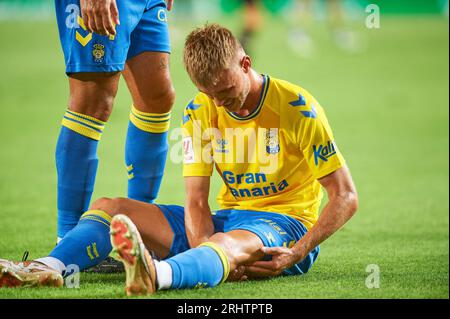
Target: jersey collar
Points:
(262, 97)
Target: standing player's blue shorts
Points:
(273, 229)
(143, 27)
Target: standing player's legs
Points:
(90, 104)
(93, 63)
(148, 80)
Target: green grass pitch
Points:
(388, 107)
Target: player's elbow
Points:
(352, 202)
(347, 200)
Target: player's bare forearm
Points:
(198, 223)
(197, 217)
(339, 209)
(342, 205)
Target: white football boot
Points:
(28, 274)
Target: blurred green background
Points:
(385, 91)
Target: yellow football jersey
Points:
(269, 160)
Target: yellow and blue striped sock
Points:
(76, 163)
(88, 243)
(146, 150)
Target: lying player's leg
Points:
(155, 229)
(29, 274)
(203, 266)
(238, 239)
(88, 243)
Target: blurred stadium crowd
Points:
(300, 15)
(199, 9)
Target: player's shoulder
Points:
(294, 100)
(199, 107)
(288, 91)
(200, 103)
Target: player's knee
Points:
(100, 204)
(111, 206)
(93, 94)
(165, 99)
(102, 109)
(227, 243)
(169, 97)
(160, 101)
(97, 107)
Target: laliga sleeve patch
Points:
(188, 150)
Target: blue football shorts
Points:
(143, 27)
(273, 229)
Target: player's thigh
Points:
(147, 69)
(93, 61)
(148, 79)
(241, 246)
(153, 226)
(93, 94)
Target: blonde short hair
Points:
(208, 51)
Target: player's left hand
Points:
(169, 4)
(282, 258)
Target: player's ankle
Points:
(163, 275)
(53, 263)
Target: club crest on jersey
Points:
(324, 152)
(272, 142)
(221, 146)
(98, 52)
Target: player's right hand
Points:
(282, 258)
(237, 275)
(100, 16)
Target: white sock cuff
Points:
(163, 274)
(52, 262)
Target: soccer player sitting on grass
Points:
(268, 223)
